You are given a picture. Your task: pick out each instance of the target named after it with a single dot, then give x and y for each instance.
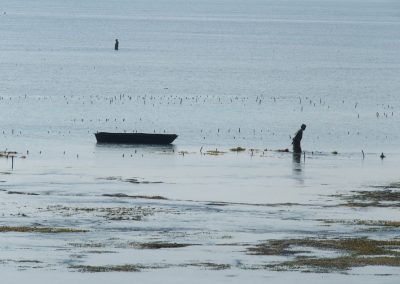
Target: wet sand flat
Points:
(274, 219)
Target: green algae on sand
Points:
(107, 268)
(237, 149)
(135, 213)
(159, 245)
(328, 265)
(26, 229)
(354, 252)
(209, 265)
(372, 198)
(376, 223)
(122, 195)
(215, 152)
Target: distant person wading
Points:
(297, 139)
(116, 44)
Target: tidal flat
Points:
(272, 216)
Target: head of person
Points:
(303, 127)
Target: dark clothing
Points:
(296, 141)
(116, 44)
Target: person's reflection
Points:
(297, 159)
(297, 168)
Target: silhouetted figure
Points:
(116, 44)
(297, 139)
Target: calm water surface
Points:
(202, 69)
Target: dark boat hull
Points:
(135, 138)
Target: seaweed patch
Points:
(107, 268)
(354, 252)
(158, 245)
(26, 229)
(122, 195)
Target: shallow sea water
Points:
(220, 74)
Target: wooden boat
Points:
(135, 138)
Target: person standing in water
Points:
(116, 44)
(297, 139)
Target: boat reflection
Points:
(146, 148)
